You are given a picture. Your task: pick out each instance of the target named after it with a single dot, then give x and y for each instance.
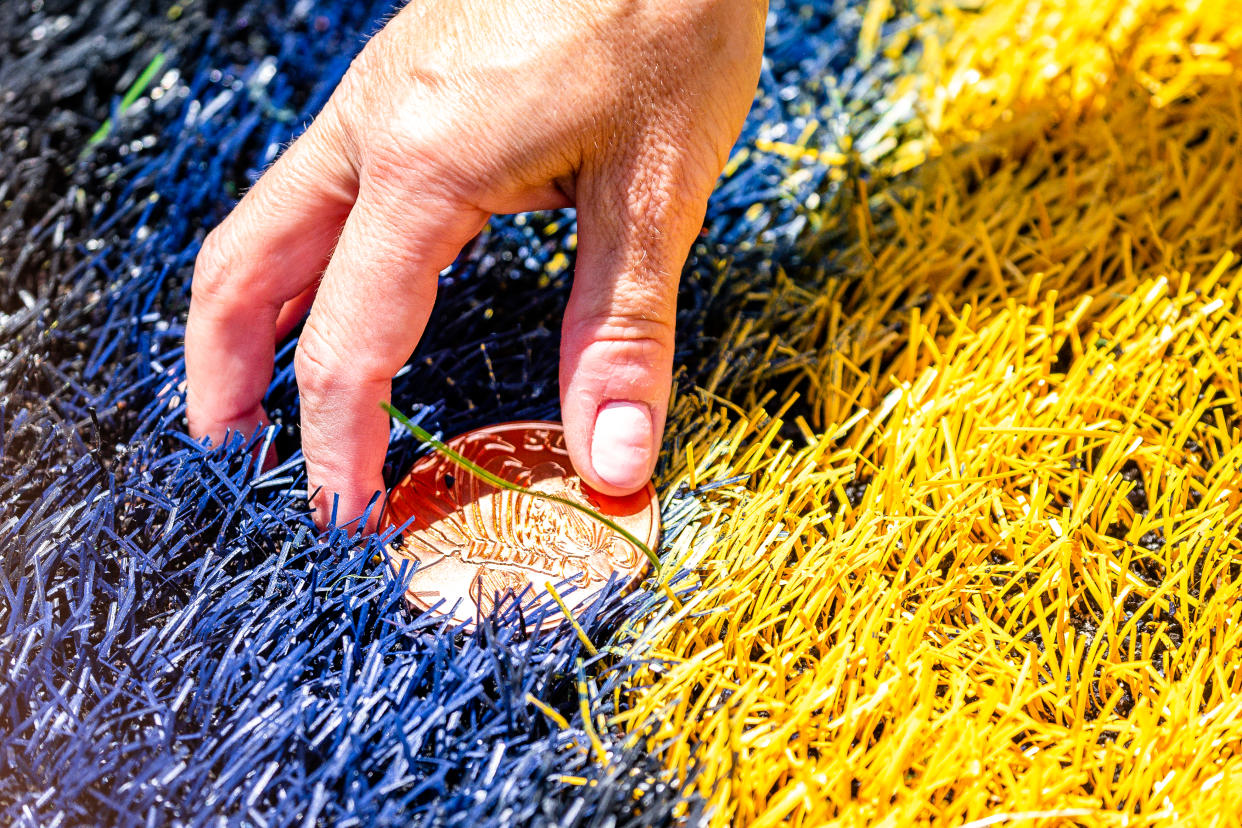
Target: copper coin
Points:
(477, 544)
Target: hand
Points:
(456, 110)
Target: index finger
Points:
(271, 248)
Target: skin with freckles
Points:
(455, 111)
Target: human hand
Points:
(457, 110)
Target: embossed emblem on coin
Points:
(478, 545)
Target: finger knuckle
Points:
(317, 366)
(364, 84)
(672, 181)
(634, 329)
(324, 362)
(214, 266)
(391, 154)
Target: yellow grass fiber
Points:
(1029, 614)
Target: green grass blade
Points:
(129, 99)
(425, 436)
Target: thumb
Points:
(635, 228)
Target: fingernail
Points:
(621, 446)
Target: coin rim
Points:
(552, 620)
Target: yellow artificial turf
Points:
(1030, 614)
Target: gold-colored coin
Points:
(476, 544)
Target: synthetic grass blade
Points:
(952, 454)
(131, 97)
